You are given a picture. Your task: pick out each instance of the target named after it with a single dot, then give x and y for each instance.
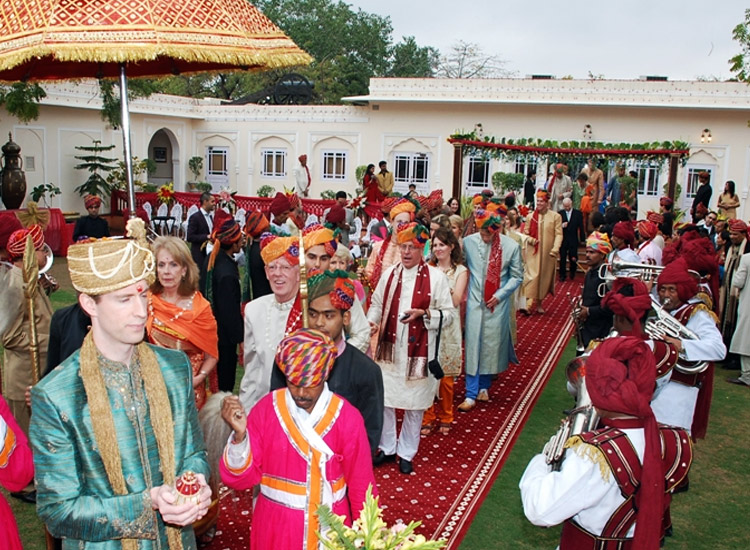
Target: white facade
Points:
(404, 121)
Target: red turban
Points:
(624, 231)
(435, 199)
(17, 241)
(620, 377)
(701, 209)
(294, 200)
(255, 224)
(632, 307)
(280, 204)
(647, 229)
(388, 204)
(336, 214)
(700, 256)
(91, 201)
(665, 201)
(654, 217)
(676, 273)
(737, 225)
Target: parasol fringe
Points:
(271, 57)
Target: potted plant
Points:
(41, 192)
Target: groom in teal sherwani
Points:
(495, 272)
(115, 424)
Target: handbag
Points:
(434, 364)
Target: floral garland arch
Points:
(509, 149)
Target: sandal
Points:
(427, 429)
(445, 428)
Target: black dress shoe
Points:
(737, 381)
(405, 466)
(381, 458)
(28, 496)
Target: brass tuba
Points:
(582, 418)
(648, 273)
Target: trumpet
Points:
(648, 273)
(666, 325)
(577, 304)
(582, 418)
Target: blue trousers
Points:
(477, 382)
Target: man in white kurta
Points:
(270, 317)
(489, 348)
(649, 250)
(412, 391)
(675, 405)
(740, 342)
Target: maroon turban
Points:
(336, 214)
(631, 307)
(701, 209)
(737, 225)
(665, 201)
(676, 273)
(620, 377)
(280, 204)
(624, 231)
(655, 217)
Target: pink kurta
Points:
(16, 471)
(280, 461)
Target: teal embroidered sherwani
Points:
(74, 496)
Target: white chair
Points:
(373, 223)
(240, 216)
(192, 210)
(149, 213)
(311, 219)
(357, 235)
(163, 210)
(175, 224)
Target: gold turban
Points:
(99, 266)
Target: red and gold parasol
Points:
(71, 39)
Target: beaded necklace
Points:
(187, 307)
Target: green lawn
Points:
(708, 517)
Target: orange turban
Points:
(273, 247)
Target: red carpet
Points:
(453, 473)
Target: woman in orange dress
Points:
(179, 317)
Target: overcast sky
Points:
(681, 39)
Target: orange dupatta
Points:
(197, 325)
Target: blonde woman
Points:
(179, 317)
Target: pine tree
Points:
(95, 163)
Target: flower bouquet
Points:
(226, 200)
(165, 194)
(369, 531)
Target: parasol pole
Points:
(30, 288)
(125, 116)
(302, 278)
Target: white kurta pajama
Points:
(488, 344)
(740, 341)
(413, 396)
(675, 404)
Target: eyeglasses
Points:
(407, 247)
(280, 268)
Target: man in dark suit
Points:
(200, 226)
(702, 195)
(572, 223)
(220, 284)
